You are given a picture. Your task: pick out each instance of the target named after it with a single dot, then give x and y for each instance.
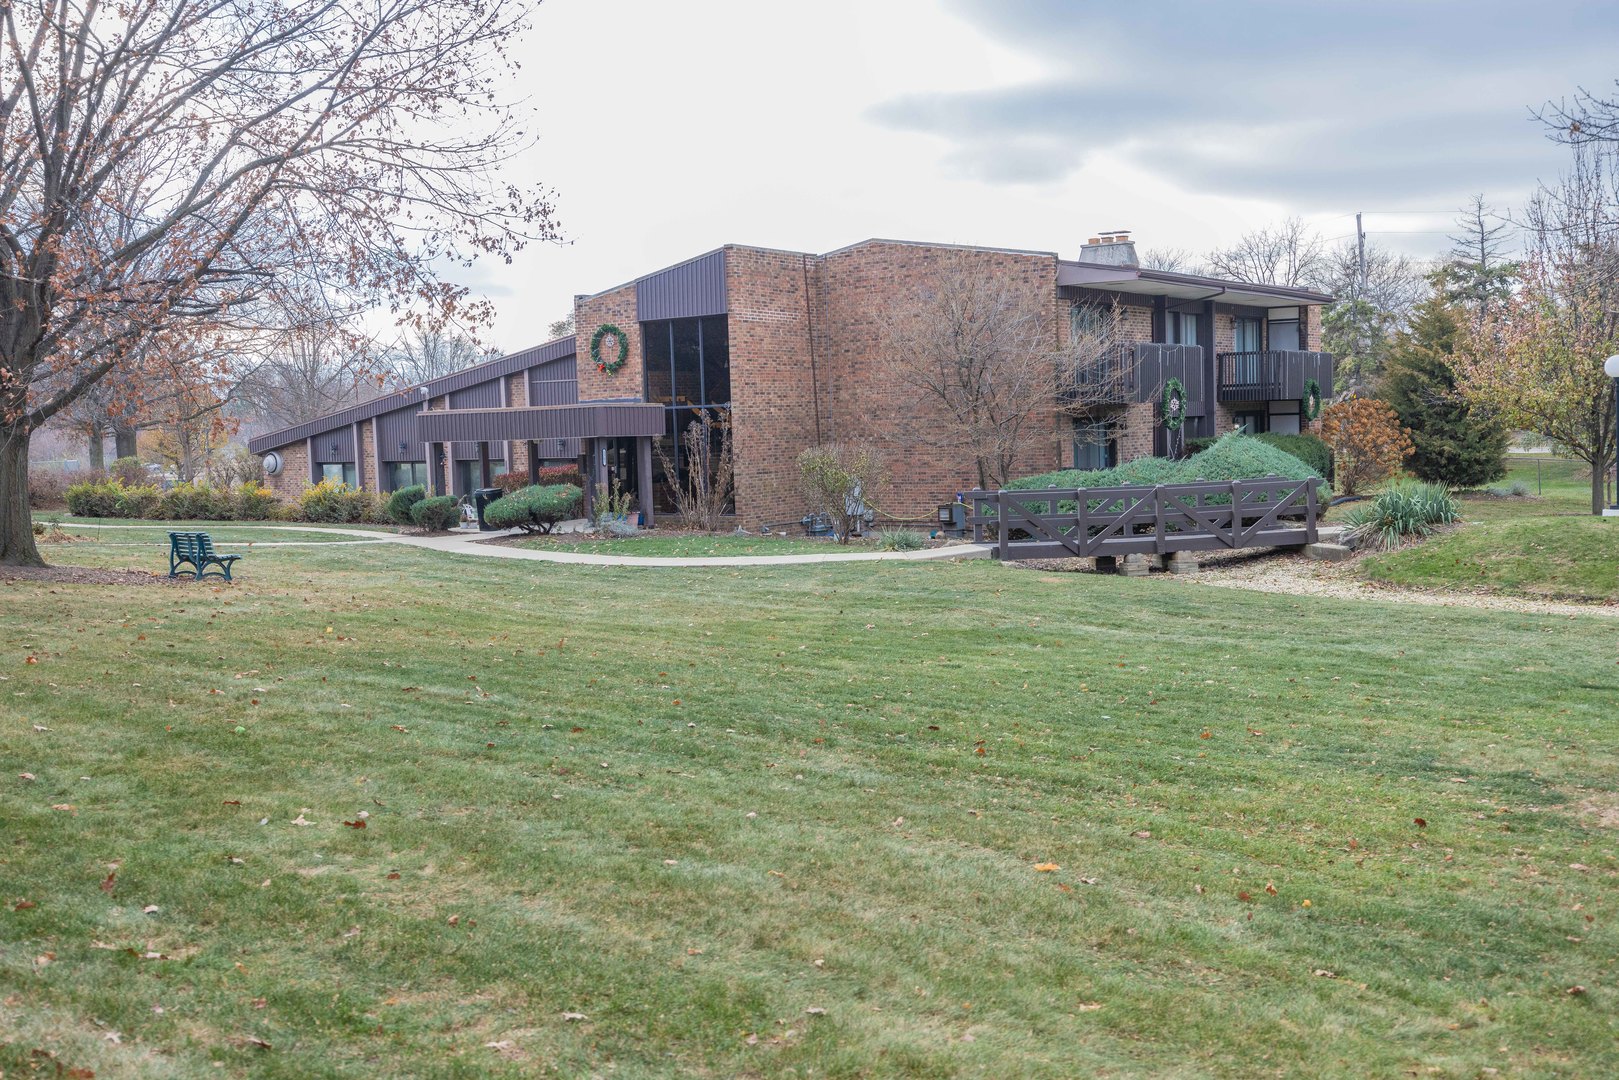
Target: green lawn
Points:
(698, 807)
(692, 545)
(1546, 546)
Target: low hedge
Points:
(401, 502)
(1310, 449)
(437, 514)
(1230, 457)
(535, 509)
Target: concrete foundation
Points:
(1138, 565)
(1327, 552)
(1183, 562)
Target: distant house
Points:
(785, 341)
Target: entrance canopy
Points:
(592, 420)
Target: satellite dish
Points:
(272, 464)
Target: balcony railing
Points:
(1136, 372)
(1272, 374)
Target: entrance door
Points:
(622, 466)
(1252, 421)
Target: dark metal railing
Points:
(1271, 374)
(1061, 523)
(1109, 380)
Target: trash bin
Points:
(482, 497)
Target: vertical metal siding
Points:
(334, 446)
(485, 395)
(398, 427)
(692, 288)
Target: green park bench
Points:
(197, 549)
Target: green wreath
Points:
(609, 366)
(1174, 404)
(1310, 403)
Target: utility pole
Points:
(1360, 246)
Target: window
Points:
(1251, 422)
(1094, 447)
(1084, 320)
(688, 367)
(1182, 328)
(1284, 335)
(338, 473)
(403, 474)
(1246, 336)
(469, 476)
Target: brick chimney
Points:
(1112, 248)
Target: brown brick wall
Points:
(772, 387)
(856, 289)
(1136, 430)
(366, 467)
(294, 475)
(618, 308)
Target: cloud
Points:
(1312, 106)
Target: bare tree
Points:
(307, 373)
(165, 161)
(560, 328)
(979, 359)
(704, 490)
(1289, 254)
(1477, 274)
(1583, 119)
(429, 354)
(1175, 260)
(1373, 303)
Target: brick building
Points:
(787, 342)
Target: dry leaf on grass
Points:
(573, 1017)
(1046, 867)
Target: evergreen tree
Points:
(1456, 444)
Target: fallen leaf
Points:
(106, 882)
(1046, 867)
(24, 905)
(1578, 866)
(1089, 1006)
(63, 806)
(1270, 889)
(455, 920)
(1324, 973)
(393, 875)
(232, 802)
(670, 862)
(26, 775)
(814, 1010)
(355, 824)
(573, 1017)
(1576, 991)
(1419, 823)
(400, 727)
(150, 909)
(32, 660)
(502, 1046)
(301, 820)
(250, 1040)
(1245, 897)
(1142, 835)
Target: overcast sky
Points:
(669, 127)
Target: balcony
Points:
(1272, 375)
(1129, 374)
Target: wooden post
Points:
(643, 474)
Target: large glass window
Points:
(338, 473)
(688, 368)
(469, 474)
(1245, 336)
(403, 474)
(1094, 447)
(1182, 328)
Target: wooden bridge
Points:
(1068, 523)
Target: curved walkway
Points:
(471, 543)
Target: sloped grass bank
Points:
(761, 823)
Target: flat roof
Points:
(1145, 282)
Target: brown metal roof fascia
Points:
(1101, 275)
(401, 399)
(592, 421)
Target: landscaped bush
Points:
(437, 514)
(1405, 509)
(1306, 447)
(47, 488)
(1368, 443)
(509, 481)
(403, 501)
(334, 502)
(1230, 457)
(128, 470)
(840, 482)
(534, 509)
(254, 502)
(901, 540)
(195, 502)
(92, 498)
(137, 501)
(559, 474)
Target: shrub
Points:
(92, 498)
(1230, 457)
(436, 514)
(137, 501)
(534, 509)
(128, 470)
(901, 540)
(254, 502)
(509, 481)
(195, 502)
(560, 474)
(1406, 509)
(401, 502)
(708, 479)
(1308, 448)
(334, 502)
(1368, 443)
(47, 488)
(840, 481)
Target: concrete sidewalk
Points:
(467, 542)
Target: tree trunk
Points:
(124, 439)
(17, 547)
(98, 449)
